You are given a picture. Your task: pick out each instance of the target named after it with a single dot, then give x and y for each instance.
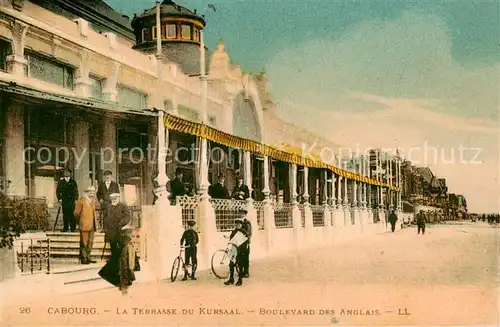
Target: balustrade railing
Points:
(318, 215)
(352, 215)
(189, 208)
(259, 208)
(33, 255)
(283, 215)
(226, 211)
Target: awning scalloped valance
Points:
(184, 126)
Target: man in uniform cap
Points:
(67, 194)
(117, 216)
(85, 212)
(190, 240)
(247, 226)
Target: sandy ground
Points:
(446, 277)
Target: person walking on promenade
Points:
(393, 218)
(239, 239)
(190, 239)
(106, 188)
(85, 212)
(67, 194)
(421, 223)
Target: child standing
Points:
(190, 240)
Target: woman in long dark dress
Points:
(118, 233)
(119, 270)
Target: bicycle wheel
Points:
(220, 264)
(175, 269)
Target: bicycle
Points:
(177, 263)
(222, 257)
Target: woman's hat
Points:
(90, 189)
(191, 223)
(114, 195)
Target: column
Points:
(339, 191)
(109, 146)
(305, 195)
(81, 158)
(324, 185)
(247, 170)
(334, 198)
(297, 223)
(269, 225)
(14, 150)
(16, 62)
(307, 206)
(266, 190)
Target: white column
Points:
(14, 150)
(266, 189)
(305, 194)
(324, 176)
(247, 166)
(293, 183)
(334, 199)
(339, 191)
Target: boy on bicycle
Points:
(240, 256)
(190, 238)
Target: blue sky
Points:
(407, 74)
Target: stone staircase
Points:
(65, 247)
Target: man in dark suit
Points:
(240, 191)
(117, 216)
(177, 186)
(105, 189)
(67, 194)
(219, 190)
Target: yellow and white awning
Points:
(287, 153)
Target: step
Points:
(72, 244)
(64, 253)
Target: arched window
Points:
(245, 119)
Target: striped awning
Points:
(286, 153)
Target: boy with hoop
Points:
(239, 239)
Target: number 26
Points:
(24, 310)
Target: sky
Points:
(421, 76)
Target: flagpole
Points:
(204, 183)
